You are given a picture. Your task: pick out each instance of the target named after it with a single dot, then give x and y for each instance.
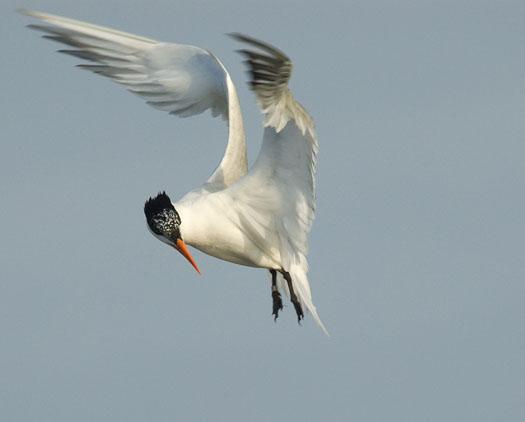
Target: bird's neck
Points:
(194, 221)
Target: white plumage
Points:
(259, 218)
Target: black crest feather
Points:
(162, 217)
(155, 205)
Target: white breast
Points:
(211, 224)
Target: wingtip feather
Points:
(33, 13)
(23, 11)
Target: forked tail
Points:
(302, 290)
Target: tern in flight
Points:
(258, 218)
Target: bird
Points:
(259, 216)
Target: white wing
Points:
(181, 79)
(277, 197)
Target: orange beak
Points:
(183, 249)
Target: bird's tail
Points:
(298, 272)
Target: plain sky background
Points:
(417, 264)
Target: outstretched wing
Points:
(280, 187)
(183, 80)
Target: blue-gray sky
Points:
(416, 257)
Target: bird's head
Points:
(164, 223)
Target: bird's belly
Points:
(242, 253)
(212, 225)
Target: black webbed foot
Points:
(276, 296)
(298, 308)
(293, 297)
(277, 303)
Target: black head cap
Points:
(162, 217)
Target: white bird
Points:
(259, 218)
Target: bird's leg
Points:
(293, 297)
(276, 296)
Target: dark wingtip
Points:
(235, 35)
(23, 11)
(254, 42)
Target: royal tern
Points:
(259, 218)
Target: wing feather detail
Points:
(279, 190)
(177, 78)
(182, 80)
(270, 70)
